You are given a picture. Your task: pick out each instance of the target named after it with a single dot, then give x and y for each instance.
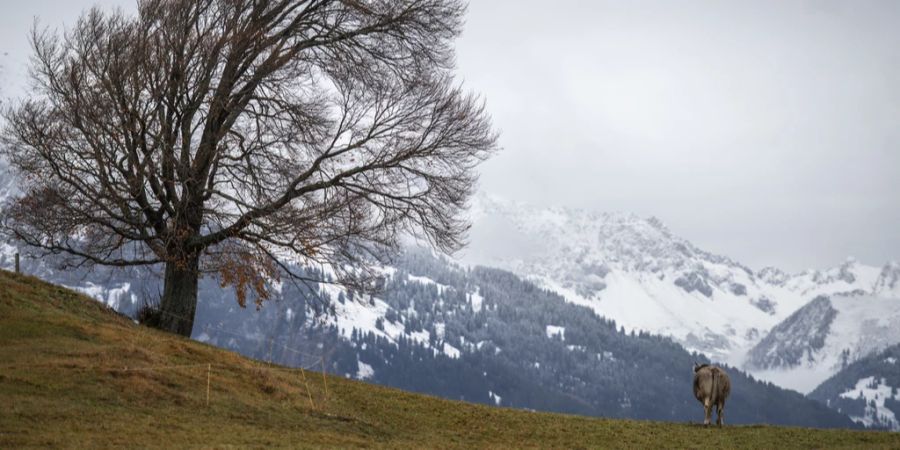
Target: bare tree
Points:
(237, 136)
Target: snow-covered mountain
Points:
(635, 271)
(629, 269)
(823, 337)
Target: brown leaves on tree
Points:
(249, 273)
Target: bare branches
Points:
(308, 130)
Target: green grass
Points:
(63, 383)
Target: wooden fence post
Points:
(17, 262)
(208, 370)
(324, 380)
(312, 404)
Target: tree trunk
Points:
(179, 300)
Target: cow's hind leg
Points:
(720, 413)
(707, 407)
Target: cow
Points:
(711, 387)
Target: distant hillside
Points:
(867, 390)
(485, 335)
(75, 374)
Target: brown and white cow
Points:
(711, 387)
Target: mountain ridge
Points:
(635, 271)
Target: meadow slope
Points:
(75, 374)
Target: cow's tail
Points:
(714, 395)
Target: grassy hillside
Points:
(74, 374)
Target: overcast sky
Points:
(768, 131)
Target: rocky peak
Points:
(888, 282)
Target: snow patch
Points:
(451, 351)
(554, 331)
(496, 398)
(365, 371)
(112, 297)
(426, 280)
(477, 300)
(422, 337)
